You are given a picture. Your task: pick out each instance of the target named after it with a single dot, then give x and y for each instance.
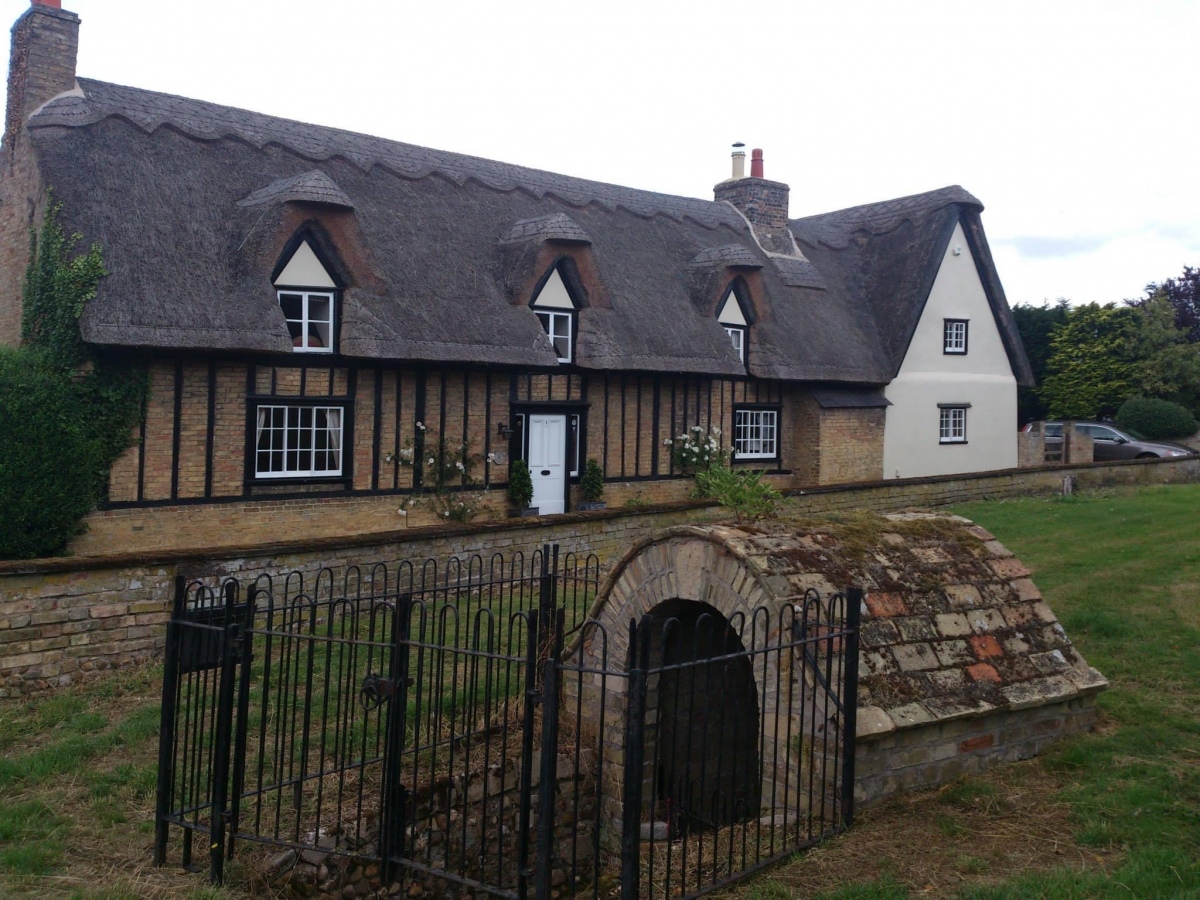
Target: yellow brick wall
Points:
(851, 446)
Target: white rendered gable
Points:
(981, 380)
(554, 294)
(304, 270)
(731, 312)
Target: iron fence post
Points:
(854, 599)
(222, 740)
(635, 731)
(391, 819)
(532, 643)
(243, 712)
(166, 724)
(548, 785)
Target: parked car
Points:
(1110, 442)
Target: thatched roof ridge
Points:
(151, 110)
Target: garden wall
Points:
(60, 618)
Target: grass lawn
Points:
(1115, 813)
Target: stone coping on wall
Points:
(335, 542)
(1047, 468)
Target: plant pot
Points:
(522, 511)
(589, 505)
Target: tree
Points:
(1036, 324)
(1087, 372)
(1183, 294)
(1102, 355)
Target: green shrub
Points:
(592, 483)
(65, 412)
(52, 464)
(1156, 419)
(520, 484)
(741, 490)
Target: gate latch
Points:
(376, 689)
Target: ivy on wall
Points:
(66, 412)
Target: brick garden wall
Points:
(63, 617)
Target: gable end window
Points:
(952, 424)
(309, 316)
(756, 434)
(954, 333)
(298, 441)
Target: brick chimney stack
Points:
(45, 46)
(764, 203)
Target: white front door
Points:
(548, 462)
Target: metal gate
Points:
(424, 720)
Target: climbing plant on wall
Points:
(66, 412)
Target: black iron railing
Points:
(426, 718)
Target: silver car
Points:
(1110, 442)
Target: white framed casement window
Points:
(298, 441)
(309, 316)
(733, 319)
(559, 327)
(737, 337)
(954, 333)
(756, 433)
(557, 310)
(952, 423)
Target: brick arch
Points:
(684, 563)
(697, 565)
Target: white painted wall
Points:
(554, 293)
(982, 377)
(304, 270)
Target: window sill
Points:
(951, 443)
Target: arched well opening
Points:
(702, 765)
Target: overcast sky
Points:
(1075, 123)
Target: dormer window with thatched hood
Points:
(731, 313)
(308, 297)
(557, 309)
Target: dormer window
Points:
(557, 312)
(308, 297)
(309, 316)
(733, 318)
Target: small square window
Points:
(955, 336)
(756, 433)
(558, 327)
(309, 316)
(952, 428)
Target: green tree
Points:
(1183, 293)
(1088, 372)
(1102, 355)
(1036, 324)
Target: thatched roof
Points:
(885, 256)
(194, 205)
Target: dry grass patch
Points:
(981, 831)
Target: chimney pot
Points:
(756, 164)
(53, 4)
(739, 161)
